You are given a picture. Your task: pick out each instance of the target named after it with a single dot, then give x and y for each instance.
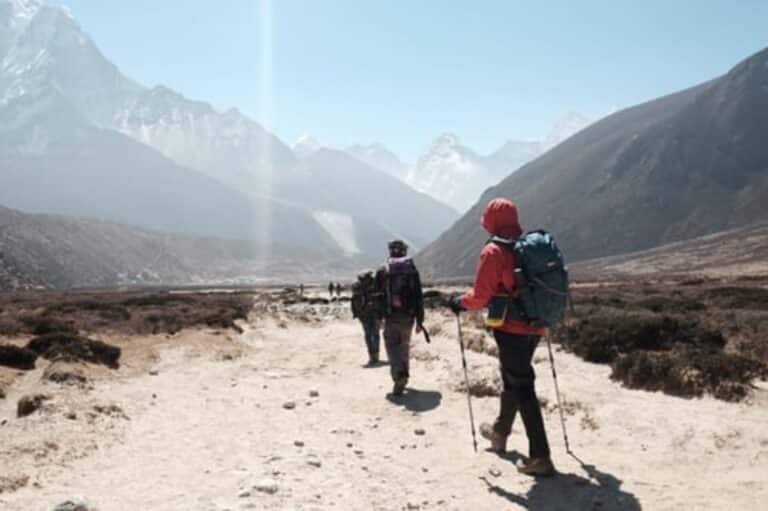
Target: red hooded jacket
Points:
(496, 266)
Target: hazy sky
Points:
(402, 72)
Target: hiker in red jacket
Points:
(516, 340)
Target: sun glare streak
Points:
(264, 173)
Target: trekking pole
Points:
(466, 381)
(557, 393)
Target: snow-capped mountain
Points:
(450, 172)
(306, 145)
(456, 175)
(379, 157)
(227, 146)
(568, 125)
(78, 137)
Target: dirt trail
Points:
(206, 430)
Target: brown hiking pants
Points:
(397, 340)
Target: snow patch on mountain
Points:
(341, 228)
(306, 145)
(449, 172)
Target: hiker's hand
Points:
(455, 304)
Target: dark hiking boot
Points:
(537, 467)
(498, 442)
(399, 387)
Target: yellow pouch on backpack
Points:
(498, 308)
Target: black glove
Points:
(454, 303)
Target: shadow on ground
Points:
(416, 400)
(567, 492)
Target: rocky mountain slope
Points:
(78, 137)
(685, 165)
(54, 251)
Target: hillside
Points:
(685, 165)
(53, 251)
(741, 252)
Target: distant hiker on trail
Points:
(366, 306)
(331, 287)
(399, 283)
(338, 289)
(515, 337)
(301, 289)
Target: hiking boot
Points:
(498, 442)
(537, 467)
(399, 387)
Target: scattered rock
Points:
(111, 410)
(289, 405)
(268, 486)
(315, 463)
(153, 372)
(298, 443)
(419, 432)
(9, 484)
(74, 505)
(28, 405)
(412, 506)
(71, 416)
(359, 452)
(17, 357)
(314, 393)
(65, 374)
(244, 494)
(495, 472)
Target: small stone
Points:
(266, 486)
(350, 444)
(28, 405)
(314, 393)
(72, 505)
(244, 494)
(289, 405)
(495, 472)
(315, 463)
(71, 416)
(154, 396)
(153, 372)
(419, 432)
(424, 469)
(298, 443)
(412, 506)
(359, 452)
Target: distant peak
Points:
(25, 8)
(447, 139)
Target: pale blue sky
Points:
(402, 72)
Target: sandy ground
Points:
(208, 426)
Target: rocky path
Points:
(295, 422)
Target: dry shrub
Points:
(17, 357)
(602, 338)
(73, 348)
(689, 371)
(739, 297)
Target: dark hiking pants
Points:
(515, 355)
(372, 339)
(397, 340)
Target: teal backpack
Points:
(541, 278)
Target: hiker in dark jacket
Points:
(366, 306)
(331, 287)
(516, 340)
(399, 283)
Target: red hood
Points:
(500, 219)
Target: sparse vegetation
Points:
(685, 341)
